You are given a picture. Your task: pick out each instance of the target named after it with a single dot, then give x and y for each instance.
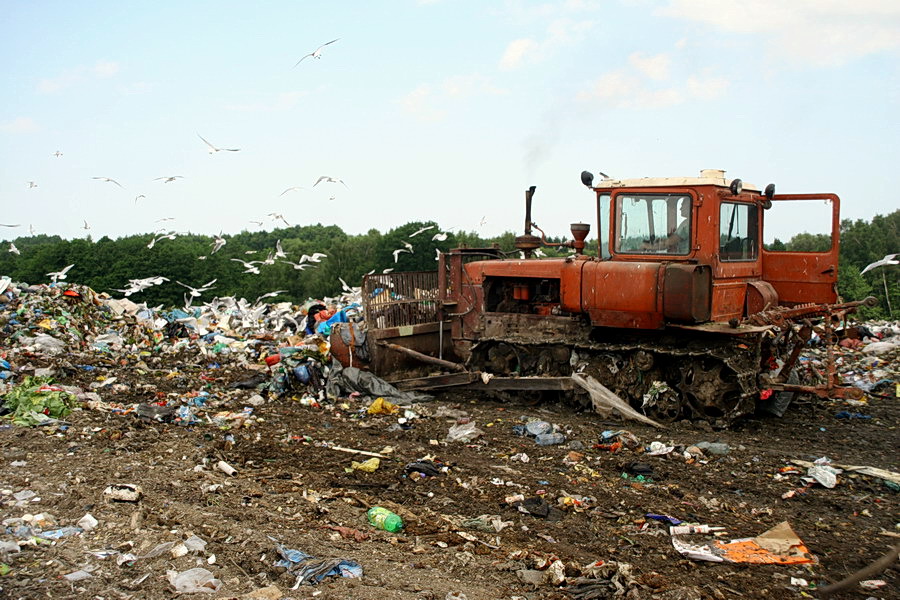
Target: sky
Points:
(431, 110)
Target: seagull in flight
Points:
(424, 229)
(398, 251)
(298, 266)
(58, 275)
(13, 249)
(164, 219)
(57, 154)
(31, 184)
(345, 286)
(890, 259)
(317, 53)
(5, 225)
(217, 244)
(196, 292)
(408, 246)
(315, 257)
(328, 179)
(269, 295)
(277, 216)
(257, 223)
(440, 236)
(169, 178)
(170, 236)
(249, 267)
(30, 229)
(386, 271)
(214, 149)
(138, 197)
(291, 189)
(108, 180)
(85, 226)
(279, 252)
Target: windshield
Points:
(653, 223)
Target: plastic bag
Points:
(193, 581)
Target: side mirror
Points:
(587, 178)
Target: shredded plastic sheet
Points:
(343, 381)
(779, 545)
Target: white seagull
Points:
(328, 179)
(218, 243)
(31, 184)
(314, 257)
(195, 292)
(57, 154)
(298, 266)
(5, 225)
(398, 251)
(166, 236)
(13, 249)
(257, 223)
(214, 149)
(291, 189)
(890, 259)
(249, 267)
(277, 217)
(138, 197)
(57, 275)
(407, 245)
(169, 178)
(108, 180)
(85, 226)
(317, 53)
(279, 252)
(439, 237)
(424, 229)
(270, 295)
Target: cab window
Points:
(653, 224)
(738, 231)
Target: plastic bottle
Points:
(384, 519)
(688, 529)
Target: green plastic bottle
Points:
(382, 518)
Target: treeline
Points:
(107, 265)
(862, 243)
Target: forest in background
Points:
(106, 265)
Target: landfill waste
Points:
(193, 581)
(778, 545)
(381, 518)
(36, 400)
(310, 571)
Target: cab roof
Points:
(707, 177)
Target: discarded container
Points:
(549, 439)
(382, 518)
(689, 529)
(226, 468)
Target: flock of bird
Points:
(250, 266)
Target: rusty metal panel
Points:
(401, 299)
(686, 292)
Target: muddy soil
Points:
(293, 485)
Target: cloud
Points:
(654, 67)
(103, 69)
(516, 52)
(707, 87)
(431, 102)
(821, 33)
(621, 89)
(419, 103)
(19, 125)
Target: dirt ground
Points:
(293, 485)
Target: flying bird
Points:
(169, 178)
(291, 189)
(138, 197)
(214, 149)
(279, 252)
(314, 257)
(317, 53)
(5, 225)
(164, 219)
(30, 229)
(440, 236)
(108, 180)
(270, 259)
(328, 179)
(269, 295)
(257, 223)
(57, 275)
(13, 249)
(196, 292)
(166, 236)
(31, 184)
(407, 245)
(398, 251)
(249, 267)
(217, 244)
(277, 216)
(424, 229)
(85, 226)
(890, 259)
(57, 154)
(298, 266)
(386, 271)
